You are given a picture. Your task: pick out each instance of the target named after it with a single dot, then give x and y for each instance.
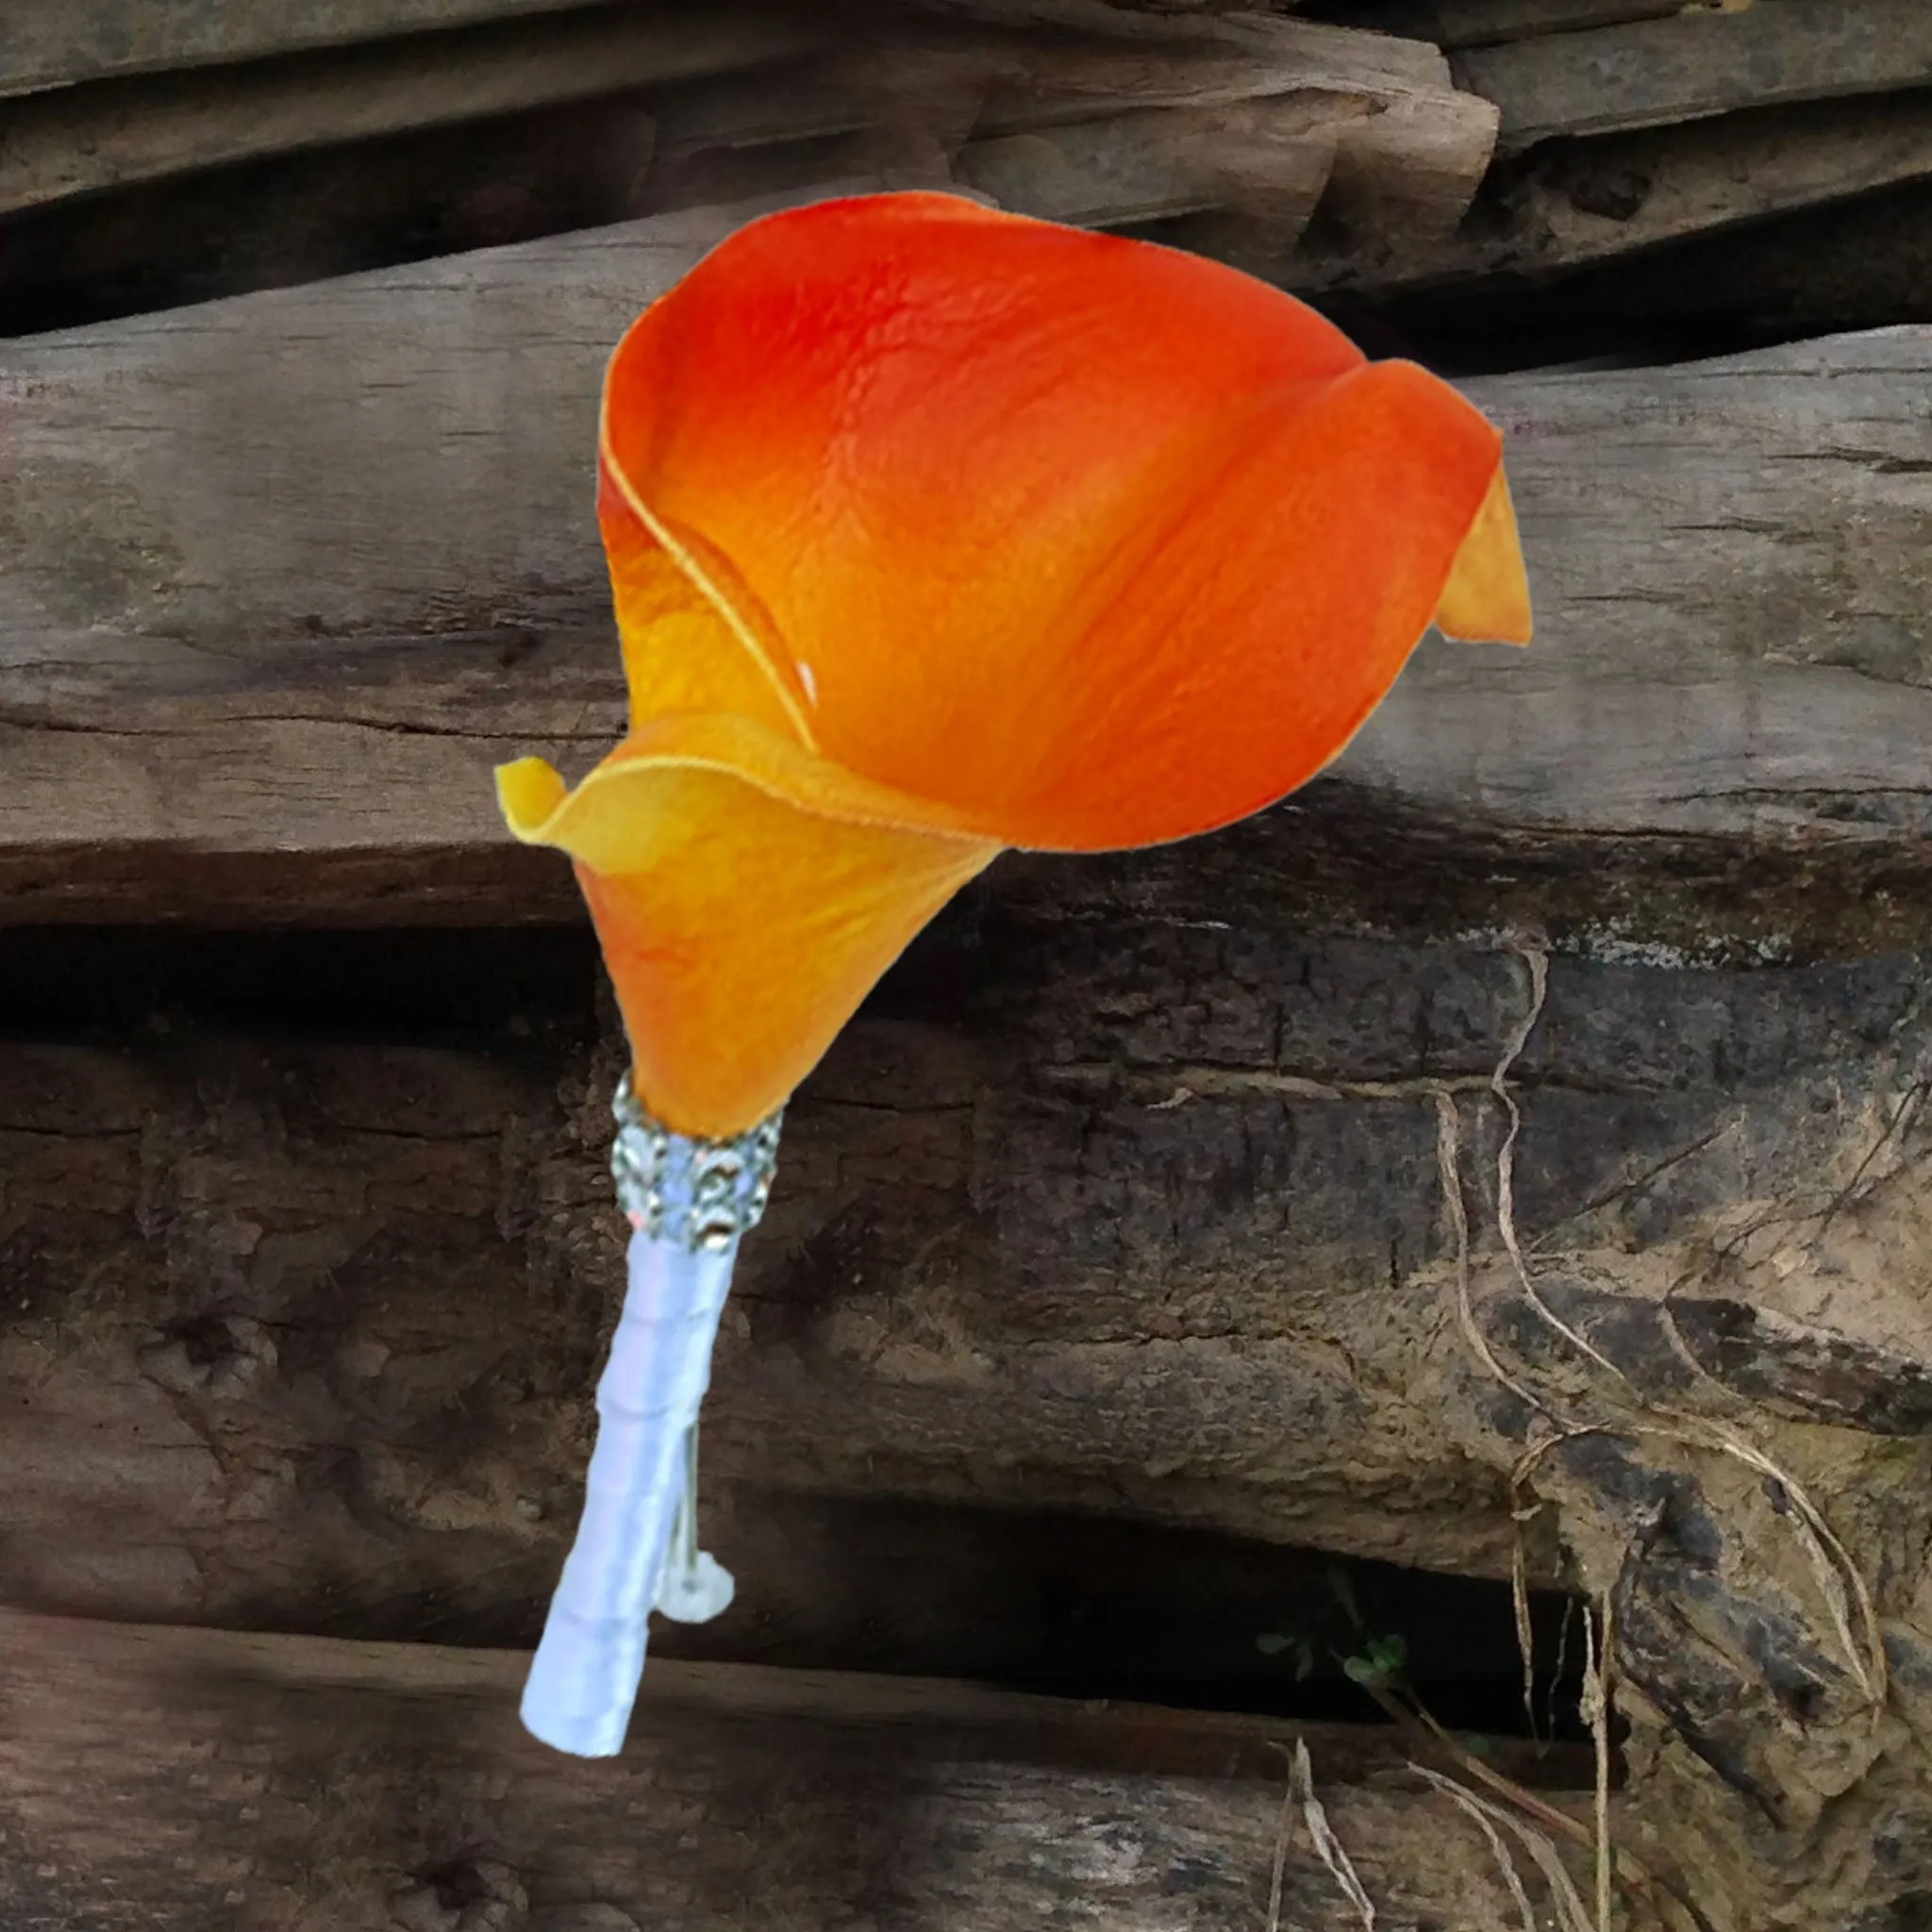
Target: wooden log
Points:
(1699, 61)
(1084, 131)
(1134, 1249)
(200, 1777)
(1574, 204)
(83, 140)
(249, 656)
(1237, 57)
(1267, 159)
(1409, 148)
(321, 1280)
(52, 43)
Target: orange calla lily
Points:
(935, 530)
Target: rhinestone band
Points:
(698, 1194)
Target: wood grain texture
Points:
(1453, 23)
(1267, 159)
(285, 576)
(1134, 1208)
(89, 139)
(52, 43)
(1254, 116)
(200, 1779)
(1232, 56)
(84, 140)
(1574, 203)
(1474, 23)
(1411, 149)
(1699, 61)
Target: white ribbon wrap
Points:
(636, 1546)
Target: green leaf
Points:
(1390, 1653)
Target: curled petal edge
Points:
(746, 896)
(1486, 599)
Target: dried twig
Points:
(1467, 1803)
(1563, 1895)
(1424, 1734)
(1448, 1149)
(1538, 964)
(1328, 1848)
(1840, 1581)
(1596, 1712)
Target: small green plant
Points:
(1372, 1661)
(1380, 1662)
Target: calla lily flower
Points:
(935, 530)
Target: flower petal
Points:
(896, 433)
(1094, 542)
(691, 637)
(746, 897)
(1236, 647)
(1487, 598)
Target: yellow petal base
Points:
(747, 896)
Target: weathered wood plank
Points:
(51, 43)
(1698, 62)
(1230, 58)
(1268, 159)
(271, 1429)
(1410, 148)
(77, 142)
(1579, 203)
(1010, 82)
(242, 622)
(195, 1778)
(83, 140)
(921, 1718)
(1200, 1313)
(1082, 130)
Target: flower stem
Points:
(585, 1677)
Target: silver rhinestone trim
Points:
(700, 1195)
